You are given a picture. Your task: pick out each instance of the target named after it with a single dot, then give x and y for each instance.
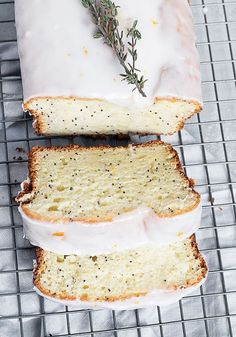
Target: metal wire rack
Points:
(208, 151)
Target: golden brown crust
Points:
(65, 296)
(26, 189)
(31, 185)
(198, 255)
(40, 127)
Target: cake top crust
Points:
(60, 57)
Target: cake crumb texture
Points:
(99, 183)
(119, 276)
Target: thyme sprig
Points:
(104, 15)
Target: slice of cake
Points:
(99, 199)
(72, 82)
(132, 278)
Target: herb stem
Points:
(104, 15)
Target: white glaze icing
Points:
(156, 297)
(60, 57)
(127, 231)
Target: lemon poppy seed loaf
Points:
(102, 199)
(72, 82)
(133, 278)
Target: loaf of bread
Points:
(101, 199)
(124, 280)
(72, 82)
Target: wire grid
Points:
(207, 149)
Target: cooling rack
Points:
(207, 147)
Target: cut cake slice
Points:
(96, 184)
(132, 278)
(104, 199)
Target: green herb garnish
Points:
(104, 15)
